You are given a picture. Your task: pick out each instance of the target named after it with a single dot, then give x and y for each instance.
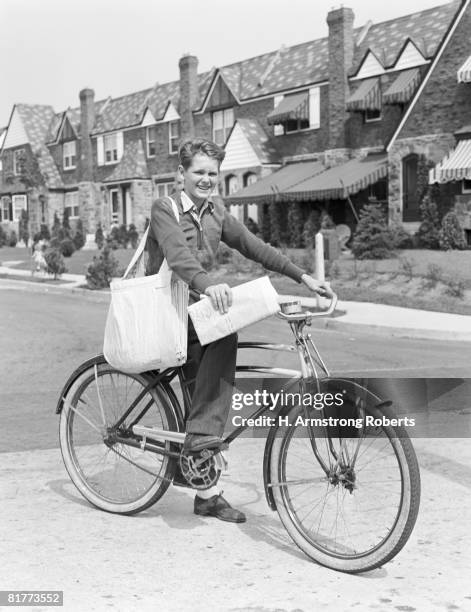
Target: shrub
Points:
(99, 237)
(451, 235)
(428, 232)
(406, 266)
(12, 239)
(275, 223)
(311, 227)
(372, 238)
(122, 236)
(400, 238)
(57, 231)
(455, 288)
(433, 276)
(55, 262)
(66, 223)
(67, 247)
(102, 269)
(79, 236)
(266, 234)
(295, 225)
(133, 236)
(44, 233)
(3, 237)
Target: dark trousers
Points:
(212, 370)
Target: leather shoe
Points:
(217, 506)
(198, 442)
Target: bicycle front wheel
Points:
(350, 503)
(112, 475)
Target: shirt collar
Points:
(188, 204)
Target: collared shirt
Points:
(180, 241)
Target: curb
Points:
(334, 323)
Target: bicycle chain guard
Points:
(202, 470)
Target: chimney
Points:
(87, 122)
(340, 22)
(188, 65)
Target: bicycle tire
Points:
(115, 477)
(318, 545)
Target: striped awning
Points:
(366, 97)
(266, 189)
(455, 166)
(291, 107)
(403, 87)
(464, 73)
(341, 181)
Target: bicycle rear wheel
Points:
(110, 474)
(358, 513)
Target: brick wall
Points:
(444, 105)
(141, 197)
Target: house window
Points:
(466, 185)
(372, 115)
(232, 184)
(111, 148)
(173, 136)
(302, 112)
(71, 204)
(165, 189)
(18, 162)
(223, 120)
(114, 206)
(19, 204)
(150, 137)
(249, 179)
(5, 209)
(69, 152)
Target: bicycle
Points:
(348, 496)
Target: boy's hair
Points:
(193, 146)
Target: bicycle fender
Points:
(97, 360)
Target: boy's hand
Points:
(221, 297)
(320, 287)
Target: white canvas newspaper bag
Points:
(146, 327)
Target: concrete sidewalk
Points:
(170, 560)
(378, 318)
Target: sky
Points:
(51, 49)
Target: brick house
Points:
(329, 123)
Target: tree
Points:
(66, 224)
(56, 231)
(99, 236)
(133, 235)
(451, 235)
(23, 229)
(295, 225)
(372, 239)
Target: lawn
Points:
(414, 278)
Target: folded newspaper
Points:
(251, 302)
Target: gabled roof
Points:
(260, 142)
(36, 119)
(132, 165)
(425, 29)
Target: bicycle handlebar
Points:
(306, 314)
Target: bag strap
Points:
(142, 244)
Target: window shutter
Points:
(278, 129)
(314, 107)
(119, 144)
(100, 149)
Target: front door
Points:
(410, 200)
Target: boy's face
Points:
(200, 178)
